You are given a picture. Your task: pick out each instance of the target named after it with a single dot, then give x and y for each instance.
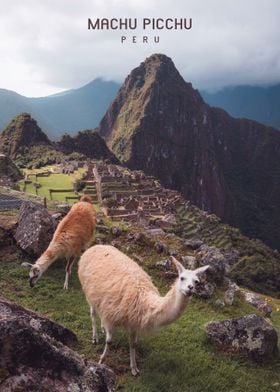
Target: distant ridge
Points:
(70, 111)
(258, 103)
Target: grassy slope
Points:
(175, 358)
(54, 181)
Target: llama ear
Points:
(201, 270)
(178, 265)
(27, 265)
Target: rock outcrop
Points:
(7, 230)
(10, 310)
(219, 262)
(160, 124)
(251, 335)
(26, 144)
(8, 170)
(34, 358)
(35, 228)
(193, 244)
(21, 133)
(259, 303)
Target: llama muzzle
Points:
(31, 282)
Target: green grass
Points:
(53, 181)
(174, 358)
(178, 357)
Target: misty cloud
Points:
(46, 47)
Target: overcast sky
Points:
(45, 46)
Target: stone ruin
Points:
(68, 167)
(131, 196)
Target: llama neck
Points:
(47, 258)
(168, 308)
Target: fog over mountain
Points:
(47, 46)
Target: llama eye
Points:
(182, 278)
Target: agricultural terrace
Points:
(49, 182)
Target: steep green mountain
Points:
(22, 132)
(88, 143)
(25, 143)
(69, 111)
(258, 103)
(160, 124)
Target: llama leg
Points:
(132, 352)
(107, 345)
(94, 330)
(102, 327)
(68, 271)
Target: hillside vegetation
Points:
(175, 358)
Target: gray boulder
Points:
(161, 247)
(230, 292)
(229, 296)
(189, 262)
(251, 335)
(173, 252)
(35, 228)
(7, 230)
(164, 264)
(154, 232)
(220, 303)
(194, 244)
(32, 357)
(205, 290)
(116, 231)
(140, 238)
(63, 208)
(231, 257)
(9, 310)
(220, 262)
(259, 303)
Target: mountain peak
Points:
(157, 67)
(158, 123)
(159, 58)
(148, 91)
(23, 131)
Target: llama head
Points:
(189, 280)
(34, 273)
